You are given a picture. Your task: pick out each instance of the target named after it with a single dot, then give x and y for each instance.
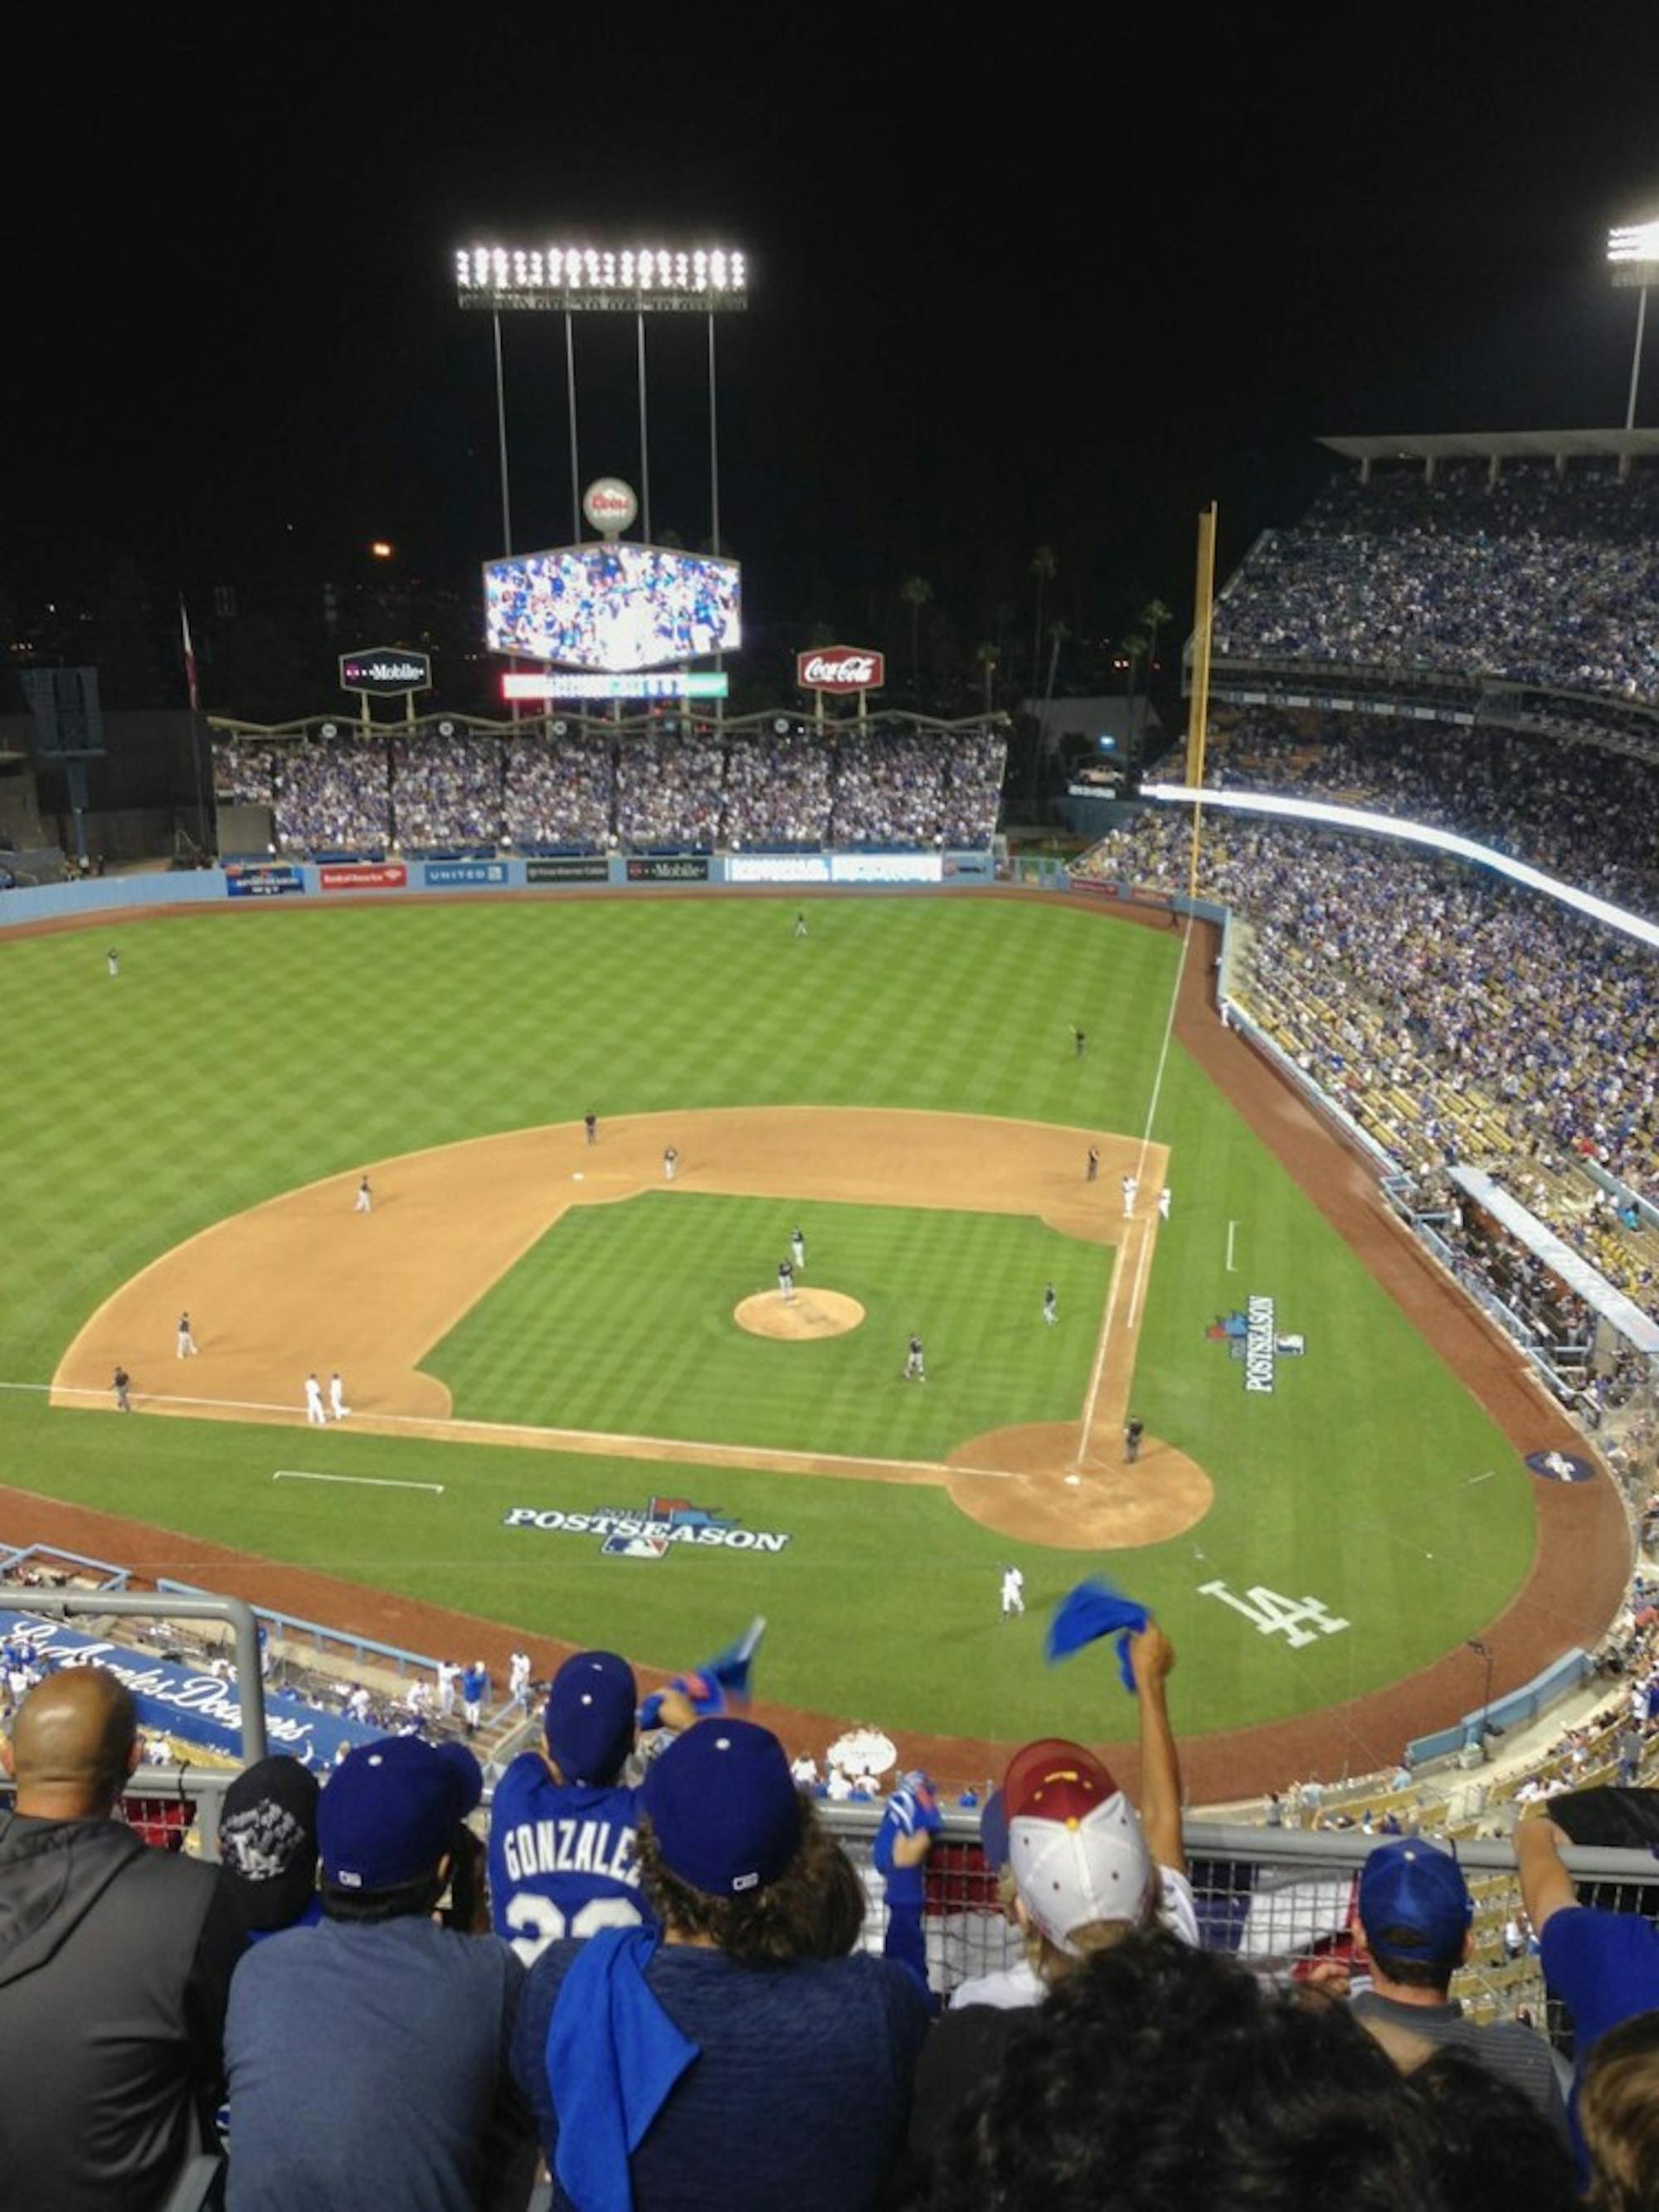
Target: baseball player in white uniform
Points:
(449, 1673)
(1050, 1305)
(115, 960)
(1131, 1192)
(671, 1160)
(315, 1412)
(336, 1404)
(365, 1197)
(798, 1248)
(518, 1679)
(1163, 1202)
(186, 1341)
(1013, 1592)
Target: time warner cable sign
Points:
(647, 1532)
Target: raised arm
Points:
(1151, 1655)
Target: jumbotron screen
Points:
(612, 607)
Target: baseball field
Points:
(583, 1411)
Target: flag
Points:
(191, 677)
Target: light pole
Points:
(1633, 258)
(1484, 1650)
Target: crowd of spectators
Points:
(557, 790)
(446, 791)
(1474, 1021)
(1578, 812)
(793, 788)
(654, 1980)
(1531, 577)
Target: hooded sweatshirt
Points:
(115, 1967)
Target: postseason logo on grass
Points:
(647, 1533)
(1253, 1338)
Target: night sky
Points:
(1061, 284)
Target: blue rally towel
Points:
(720, 1685)
(1092, 1610)
(613, 2056)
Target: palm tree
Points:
(1045, 568)
(1153, 615)
(987, 655)
(1134, 648)
(916, 593)
(1058, 633)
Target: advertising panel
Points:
(442, 872)
(612, 607)
(385, 670)
(592, 868)
(681, 868)
(970, 863)
(364, 876)
(841, 668)
(885, 867)
(262, 879)
(777, 868)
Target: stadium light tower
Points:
(569, 279)
(1633, 258)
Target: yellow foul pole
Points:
(1198, 714)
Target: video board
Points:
(613, 606)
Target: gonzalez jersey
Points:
(562, 1859)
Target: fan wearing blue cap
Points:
(1413, 1917)
(563, 1824)
(385, 2030)
(742, 2044)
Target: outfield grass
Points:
(239, 1054)
(664, 1272)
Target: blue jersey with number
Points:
(561, 1860)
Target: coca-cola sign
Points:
(841, 668)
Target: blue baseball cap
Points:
(723, 1807)
(1415, 1902)
(390, 1811)
(589, 1721)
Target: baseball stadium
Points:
(624, 1177)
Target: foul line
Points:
(601, 1443)
(368, 1481)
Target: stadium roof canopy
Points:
(1500, 445)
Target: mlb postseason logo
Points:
(647, 1532)
(1253, 1338)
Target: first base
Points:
(578, 1176)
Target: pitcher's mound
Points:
(809, 1315)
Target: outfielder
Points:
(186, 1341)
(337, 1403)
(1013, 1592)
(1050, 1305)
(916, 1369)
(1163, 1202)
(800, 923)
(314, 1410)
(115, 960)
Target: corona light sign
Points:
(841, 668)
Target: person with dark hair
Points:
(387, 2034)
(1493, 2150)
(115, 1964)
(1414, 1920)
(562, 1857)
(1160, 2076)
(741, 2058)
(1619, 2116)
